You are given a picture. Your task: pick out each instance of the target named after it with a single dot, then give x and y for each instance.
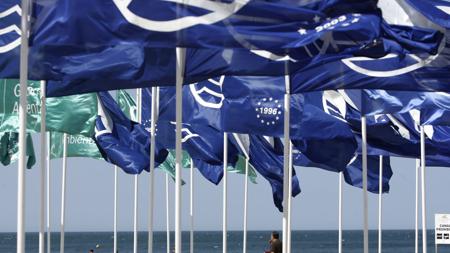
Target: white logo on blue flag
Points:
(334, 104)
(216, 11)
(209, 93)
(6, 43)
(268, 111)
(186, 133)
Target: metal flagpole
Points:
(116, 169)
(154, 112)
(380, 204)
(416, 234)
(244, 244)
(181, 53)
(22, 128)
(49, 246)
(286, 193)
(225, 189)
(43, 163)
(136, 180)
(289, 204)
(63, 194)
(191, 208)
(340, 214)
(167, 215)
(422, 182)
(365, 194)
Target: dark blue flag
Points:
(121, 141)
(155, 23)
(268, 161)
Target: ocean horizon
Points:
(310, 241)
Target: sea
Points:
(394, 241)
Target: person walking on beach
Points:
(275, 245)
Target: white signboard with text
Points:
(442, 228)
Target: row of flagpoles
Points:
(178, 151)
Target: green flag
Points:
(168, 165)
(77, 146)
(240, 169)
(71, 114)
(127, 104)
(9, 149)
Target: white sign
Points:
(442, 228)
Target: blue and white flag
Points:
(255, 105)
(437, 11)
(267, 159)
(251, 24)
(121, 141)
(374, 102)
(200, 138)
(416, 58)
(10, 39)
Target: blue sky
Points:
(90, 199)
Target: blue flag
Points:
(267, 159)
(353, 173)
(321, 131)
(275, 25)
(122, 141)
(201, 140)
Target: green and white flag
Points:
(9, 149)
(77, 146)
(71, 114)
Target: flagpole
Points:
(380, 204)
(22, 128)
(416, 237)
(63, 193)
(49, 246)
(286, 193)
(191, 207)
(289, 204)
(244, 244)
(136, 179)
(422, 172)
(167, 215)
(365, 194)
(225, 189)
(340, 214)
(181, 53)
(154, 112)
(116, 169)
(43, 162)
